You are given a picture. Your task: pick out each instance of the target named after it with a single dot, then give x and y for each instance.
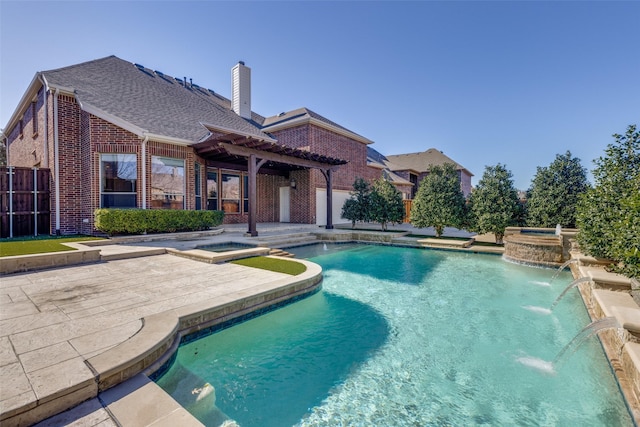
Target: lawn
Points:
(38, 245)
(272, 264)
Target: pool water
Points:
(226, 247)
(404, 337)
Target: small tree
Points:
(439, 202)
(386, 204)
(357, 208)
(494, 202)
(555, 191)
(608, 214)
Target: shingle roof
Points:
(420, 162)
(379, 161)
(157, 103)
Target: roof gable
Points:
(304, 115)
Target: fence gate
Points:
(24, 201)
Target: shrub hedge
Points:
(139, 221)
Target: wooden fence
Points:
(24, 201)
(407, 210)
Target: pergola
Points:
(235, 150)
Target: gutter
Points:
(46, 120)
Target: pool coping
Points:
(605, 295)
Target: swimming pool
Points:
(401, 337)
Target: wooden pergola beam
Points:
(238, 150)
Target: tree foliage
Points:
(555, 191)
(3, 154)
(609, 214)
(357, 208)
(386, 204)
(494, 202)
(439, 201)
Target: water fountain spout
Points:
(562, 267)
(558, 229)
(568, 288)
(324, 246)
(587, 332)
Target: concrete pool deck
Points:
(67, 334)
(70, 333)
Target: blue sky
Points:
(511, 82)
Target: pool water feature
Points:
(403, 337)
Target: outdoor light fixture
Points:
(293, 183)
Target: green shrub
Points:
(139, 221)
(608, 214)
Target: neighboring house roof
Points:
(377, 160)
(420, 162)
(146, 101)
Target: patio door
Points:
(285, 204)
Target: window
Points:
(34, 118)
(245, 193)
(413, 178)
(212, 189)
(230, 192)
(167, 183)
(118, 180)
(197, 184)
(21, 124)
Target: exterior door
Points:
(285, 204)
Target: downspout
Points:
(46, 122)
(144, 170)
(56, 160)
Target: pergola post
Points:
(327, 176)
(253, 165)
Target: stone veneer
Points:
(537, 246)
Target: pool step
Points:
(280, 252)
(286, 240)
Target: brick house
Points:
(117, 134)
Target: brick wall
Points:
(69, 158)
(323, 141)
(83, 137)
(26, 148)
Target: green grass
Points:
(38, 245)
(272, 264)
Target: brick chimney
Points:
(241, 90)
